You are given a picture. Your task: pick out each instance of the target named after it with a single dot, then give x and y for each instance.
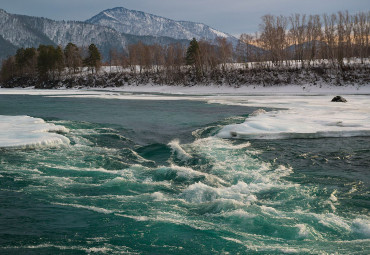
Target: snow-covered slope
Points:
(26, 31)
(111, 29)
(141, 23)
(63, 32)
(6, 48)
(18, 31)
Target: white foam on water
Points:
(107, 249)
(138, 157)
(28, 132)
(158, 196)
(361, 226)
(243, 175)
(334, 221)
(188, 173)
(55, 180)
(137, 218)
(303, 230)
(232, 239)
(83, 169)
(304, 117)
(98, 239)
(246, 177)
(269, 210)
(90, 208)
(332, 197)
(185, 172)
(329, 220)
(266, 248)
(239, 213)
(173, 218)
(170, 217)
(61, 247)
(236, 164)
(201, 193)
(120, 180)
(176, 147)
(181, 219)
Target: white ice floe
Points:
(301, 117)
(26, 132)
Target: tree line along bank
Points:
(330, 48)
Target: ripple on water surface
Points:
(102, 193)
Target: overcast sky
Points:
(231, 16)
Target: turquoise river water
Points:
(153, 177)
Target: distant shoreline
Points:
(248, 89)
(235, 79)
(257, 90)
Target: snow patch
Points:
(305, 117)
(26, 132)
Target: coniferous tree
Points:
(25, 60)
(193, 56)
(49, 60)
(93, 59)
(192, 52)
(44, 61)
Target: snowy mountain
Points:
(25, 31)
(111, 29)
(15, 32)
(141, 23)
(18, 31)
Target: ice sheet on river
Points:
(303, 117)
(26, 132)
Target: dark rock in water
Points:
(339, 99)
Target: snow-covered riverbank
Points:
(304, 112)
(201, 90)
(313, 79)
(249, 90)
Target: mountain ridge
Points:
(22, 31)
(141, 23)
(29, 31)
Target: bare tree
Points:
(225, 49)
(330, 35)
(273, 37)
(298, 34)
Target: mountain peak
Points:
(141, 23)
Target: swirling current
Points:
(140, 177)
